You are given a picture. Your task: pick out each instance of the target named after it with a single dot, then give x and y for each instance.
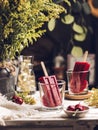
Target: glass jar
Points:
(78, 82)
(26, 78)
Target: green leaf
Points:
(68, 2)
(51, 24)
(85, 29)
(80, 37)
(68, 19)
(77, 51)
(77, 28)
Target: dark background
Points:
(57, 42)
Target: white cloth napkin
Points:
(10, 110)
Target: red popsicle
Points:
(47, 98)
(78, 81)
(51, 89)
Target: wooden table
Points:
(55, 120)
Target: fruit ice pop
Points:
(82, 66)
(51, 89)
(47, 98)
(79, 81)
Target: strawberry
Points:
(71, 108)
(79, 107)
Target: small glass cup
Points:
(78, 82)
(52, 95)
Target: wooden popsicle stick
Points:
(44, 68)
(85, 56)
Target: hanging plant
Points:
(75, 18)
(79, 29)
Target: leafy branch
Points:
(21, 23)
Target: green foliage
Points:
(75, 18)
(21, 23)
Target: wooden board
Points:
(77, 97)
